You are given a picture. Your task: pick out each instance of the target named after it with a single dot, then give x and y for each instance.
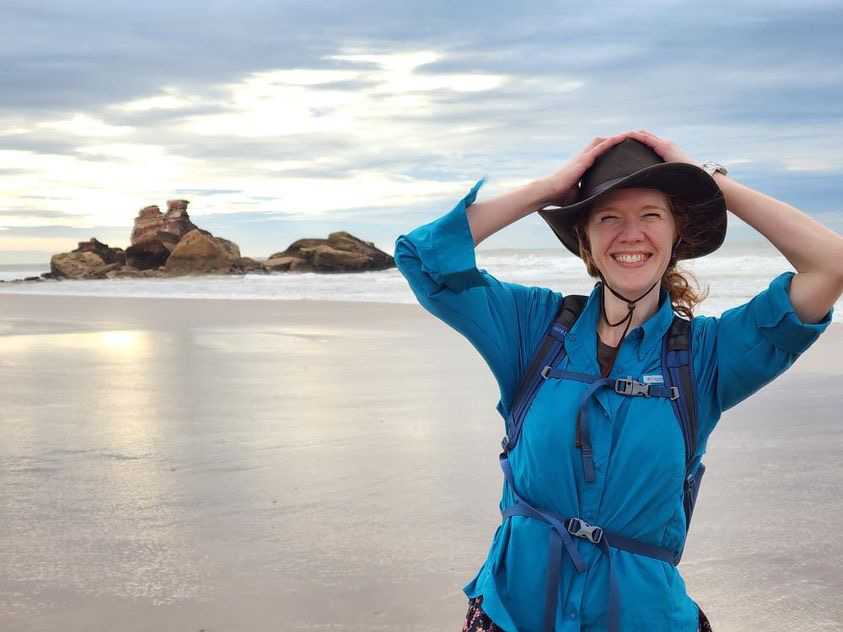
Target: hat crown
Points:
(625, 158)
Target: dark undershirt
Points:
(604, 357)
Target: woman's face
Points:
(631, 232)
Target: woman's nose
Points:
(631, 231)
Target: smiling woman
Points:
(605, 431)
(653, 233)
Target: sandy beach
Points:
(186, 465)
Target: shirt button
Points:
(596, 465)
(572, 337)
(572, 615)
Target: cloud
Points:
(32, 214)
(56, 230)
(376, 109)
(206, 191)
(85, 126)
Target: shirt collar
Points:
(647, 336)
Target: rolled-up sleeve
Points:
(779, 323)
(503, 321)
(749, 346)
(444, 250)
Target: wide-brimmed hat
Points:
(631, 163)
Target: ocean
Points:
(733, 274)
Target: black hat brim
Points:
(689, 182)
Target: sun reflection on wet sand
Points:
(112, 341)
(126, 341)
(88, 446)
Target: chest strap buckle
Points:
(582, 529)
(628, 386)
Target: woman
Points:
(642, 206)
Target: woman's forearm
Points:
(488, 217)
(806, 244)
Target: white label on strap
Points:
(652, 379)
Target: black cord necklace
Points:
(628, 318)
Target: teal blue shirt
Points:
(637, 442)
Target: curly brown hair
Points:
(683, 297)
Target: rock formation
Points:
(170, 244)
(341, 252)
(200, 252)
(90, 260)
(155, 234)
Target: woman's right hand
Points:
(564, 182)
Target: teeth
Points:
(630, 258)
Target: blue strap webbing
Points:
(583, 432)
(550, 351)
(660, 391)
(535, 381)
(673, 361)
(560, 536)
(678, 371)
(559, 374)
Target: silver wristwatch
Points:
(711, 167)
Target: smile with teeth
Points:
(629, 258)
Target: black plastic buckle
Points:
(628, 386)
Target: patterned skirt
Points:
(477, 621)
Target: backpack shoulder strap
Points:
(678, 370)
(570, 309)
(548, 352)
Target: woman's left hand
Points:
(664, 148)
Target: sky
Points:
(281, 120)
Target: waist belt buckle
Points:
(582, 529)
(628, 386)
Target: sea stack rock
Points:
(341, 252)
(176, 220)
(156, 234)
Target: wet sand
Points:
(172, 464)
